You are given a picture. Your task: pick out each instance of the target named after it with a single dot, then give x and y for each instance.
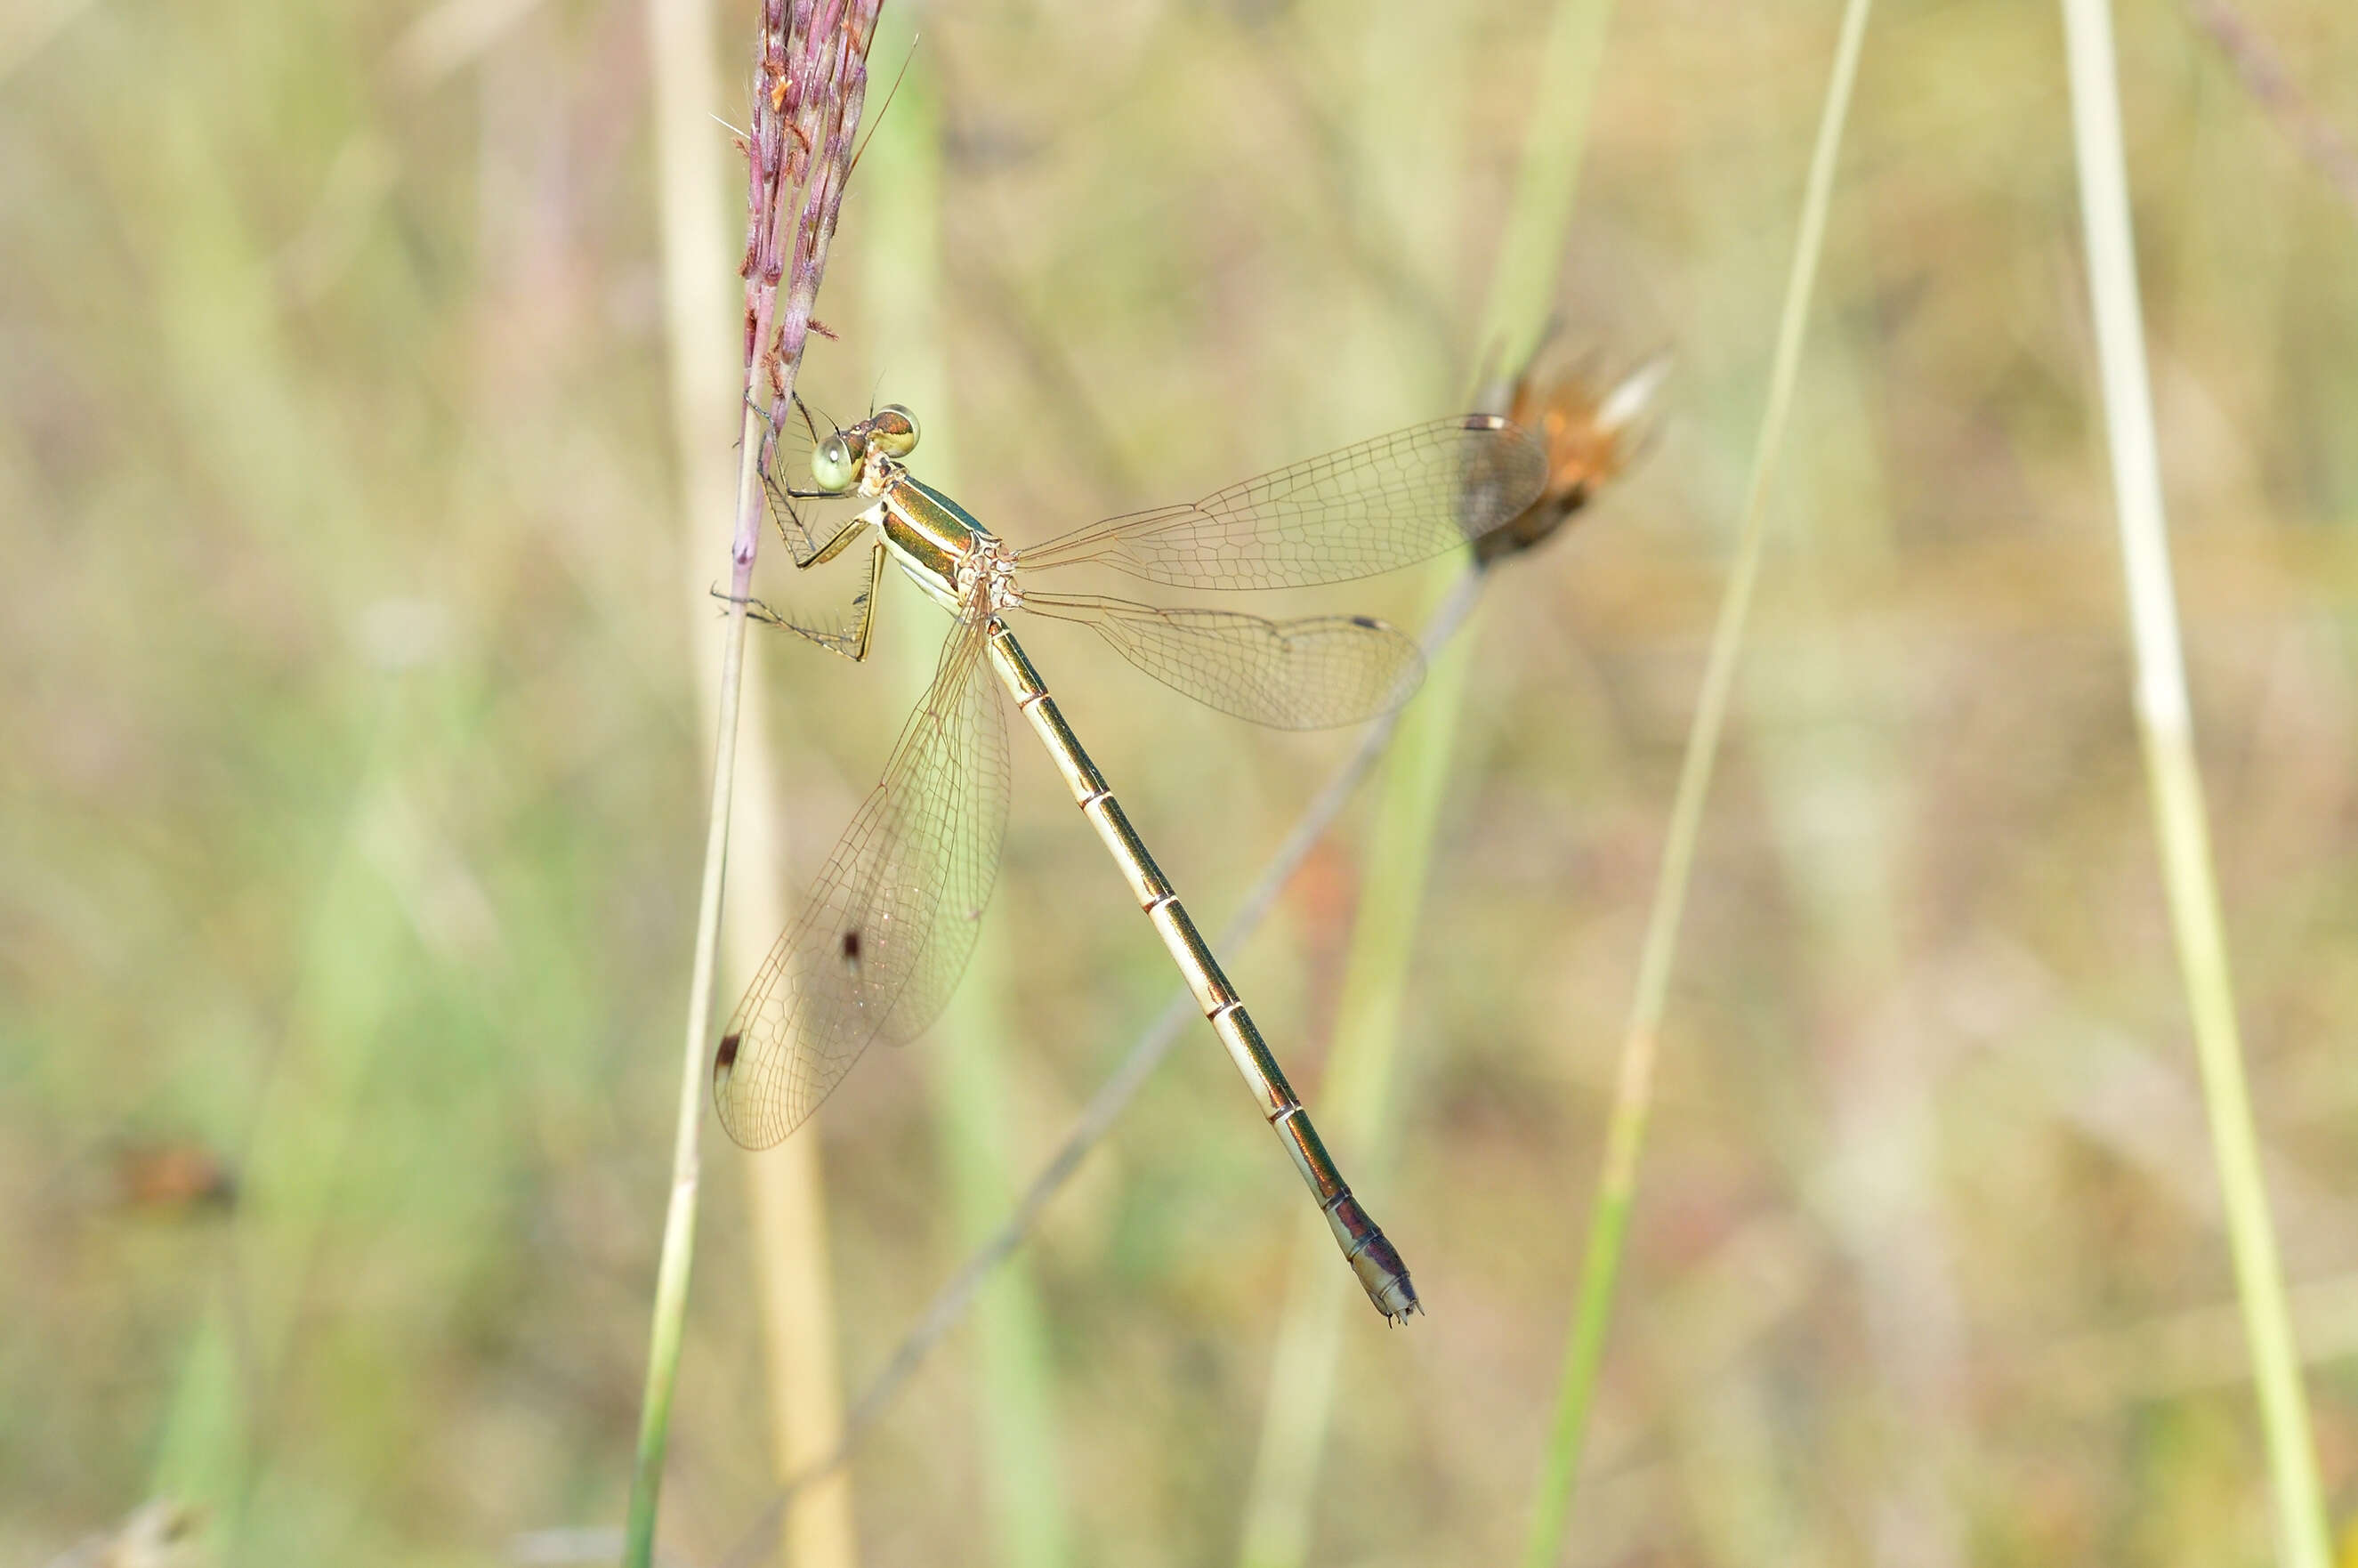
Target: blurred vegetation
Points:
(353, 801)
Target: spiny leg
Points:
(867, 601)
(835, 547)
(852, 643)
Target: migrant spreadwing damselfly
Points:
(885, 932)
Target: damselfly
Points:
(886, 930)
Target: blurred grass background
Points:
(353, 801)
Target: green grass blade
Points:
(678, 1256)
(1633, 1095)
(2180, 817)
(1547, 180)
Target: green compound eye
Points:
(893, 429)
(833, 465)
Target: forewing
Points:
(1310, 674)
(1366, 509)
(885, 932)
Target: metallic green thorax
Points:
(930, 534)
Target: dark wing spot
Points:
(851, 949)
(1370, 621)
(727, 1058)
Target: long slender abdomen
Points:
(1372, 1257)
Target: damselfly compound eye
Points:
(893, 429)
(832, 464)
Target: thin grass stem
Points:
(796, 175)
(2166, 725)
(679, 1218)
(1547, 181)
(1633, 1090)
(786, 1199)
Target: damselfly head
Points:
(841, 460)
(893, 430)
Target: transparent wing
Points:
(887, 929)
(1366, 509)
(1310, 674)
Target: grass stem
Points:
(786, 1196)
(795, 200)
(679, 1218)
(1547, 179)
(1633, 1093)
(2181, 822)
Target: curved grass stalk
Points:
(1633, 1091)
(2180, 823)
